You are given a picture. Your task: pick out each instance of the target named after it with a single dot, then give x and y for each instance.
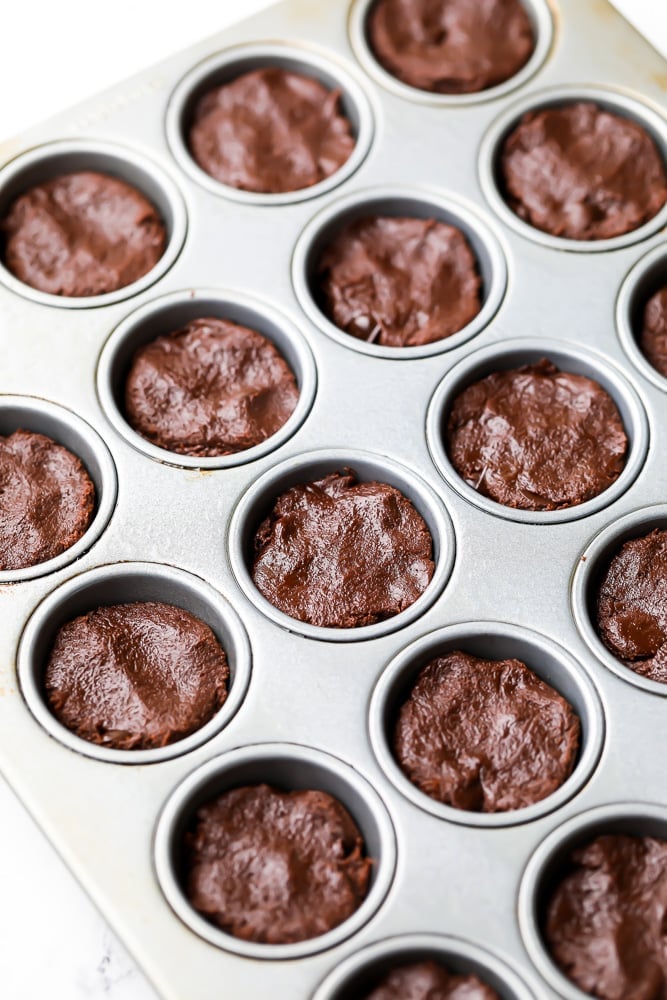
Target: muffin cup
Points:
(125, 583)
(646, 277)
(288, 767)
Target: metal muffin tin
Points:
(306, 710)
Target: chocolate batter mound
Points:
(606, 920)
(213, 388)
(270, 131)
(430, 981)
(632, 606)
(451, 46)
(82, 234)
(276, 867)
(135, 676)
(582, 173)
(47, 500)
(342, 554)
(653, 340)
(537, 438)
(399, 282)
(485, 735)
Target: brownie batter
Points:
(47, 500)
(451, 46)
(270, 131)
(275, 867)
(399, 282)
(213, 388)
(632, 606)
(537, 438)
(606, 920)
(135, 676)
(485, 735)
(430, 981)
(653, 340)
(342, 554)
(82, 234)
(582, 173)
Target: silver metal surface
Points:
(515, 582)
(646, 277)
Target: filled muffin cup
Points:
(47, 162)
(588, 574)
(171, 313)
(549, 864)
(406, 202)
(542, 22)
(125, 583)
(513, 354)
(288, 767)
(490, 641)
(29, 413)
(232, 63)
(607, 99)
(648, 276)
(258, 501)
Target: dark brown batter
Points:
(632, 606)
(341, 554)
(606, 920)
(582, 173)
(451, 46)
(537, 438)
(653, 340)
(213, 388)
(47, 500)
(270, 131)
(82, 234)
(399, 282)
(135, 676)
(276, 867)
(485, 735)
(430, 981)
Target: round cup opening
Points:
(491, 151)
(358, 975)
(288, 767)
(514, 354)
(234, 62)
(173, 312)
(410, 203)
(550, 862)
(539, 12)
(490, 641)
(258, 501)
(588, 575)
(44, 163)
(125, 583)
(29, 413)
(647, 277)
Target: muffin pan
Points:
(306, 709)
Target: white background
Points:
(52, 942)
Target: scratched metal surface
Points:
(450, 878)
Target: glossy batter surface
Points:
(82, 234)
(135, 676)
(276, 867)
(653, 339)
(399, 282)
(537, 438)
(582, 173)
(451, 46)
(430, 981)
(47, 499)
(270, 131)
(606, 920)
(632, 606)
(340, 553)
(212, 388)
(485, 735)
